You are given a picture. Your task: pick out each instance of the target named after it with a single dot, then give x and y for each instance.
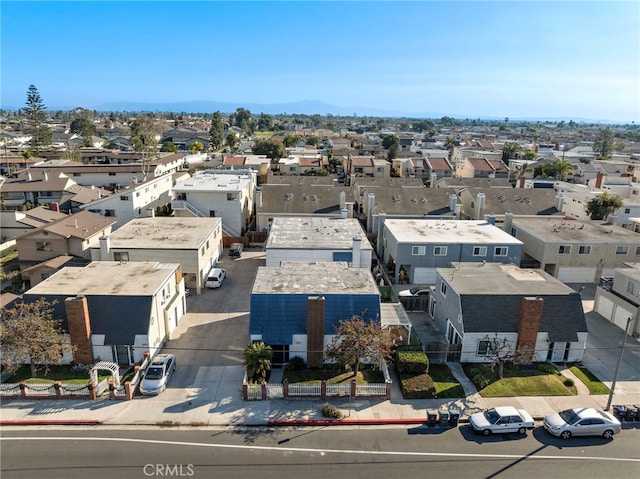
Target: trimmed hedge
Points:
(419, 386)
(412, 362)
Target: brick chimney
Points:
(315, 331)
(54, 206)
(79, 329)
(599, 177)
(530, 320)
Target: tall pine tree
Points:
(216, 133)
(35, 111)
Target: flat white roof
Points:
(316, 232)
(213, 182)
(447, 231)
(107, 278)
(164, 232)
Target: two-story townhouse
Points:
(321, 239)
(194, 243)
(526, 312)
(16, 223)
(226, 194)
(110, 312)
(618, 298)
(413, 249)
(575, 251)
(138, 200)
(482, 168)
(296, 307)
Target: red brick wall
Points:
(530, 319)
(315, 331)
(79, 329)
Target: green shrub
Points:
(331, 411)
(296, 363)
(547, 368)
(412, 362)
(418, 386)
(569, 382)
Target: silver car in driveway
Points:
(501, 420)
(582, 422)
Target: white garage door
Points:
(424, 276)
(605, 307)
(621, 316)
(576, 274)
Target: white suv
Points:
(157, 374)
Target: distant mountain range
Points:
(307, 107)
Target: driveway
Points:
(212, 335)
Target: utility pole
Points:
(615, 374)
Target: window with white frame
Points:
(440, 251)
(501, 251)
(637, 250)
(631, 288)
(564, 249)
(584, 249)
(622, 249)
(419, 250)
(485, 348)
(479, 251)
(443, 288)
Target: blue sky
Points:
(513, 59)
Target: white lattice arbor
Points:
(106, 365)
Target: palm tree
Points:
(561, 168)
(508, 151)
(257, 359)
(450, 144)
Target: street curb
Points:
(49, 422)
(343, 422)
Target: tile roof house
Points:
(109, 313)
(482, 168)
(477, 304)
(16, 223)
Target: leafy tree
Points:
(291, 139)
(389, 140)
(357, 339)
(313, 140)
(272, 148)
(529, 156)
(392, 153)
(257, 359)
(232, 140)
(603, 143)
(561, 167)
(265, 122)
(28, 333)
(143, 137)
(216, 132)
(450, 144)
(602, 205)
(242, 118)
(35, 113)
(196, 147)
(169, 146)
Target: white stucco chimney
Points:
(559, 202)
(343, 200)
(508, 222)
(355, 253)
(45, 177)
(259, 199)
(453, 200)
(105, 248)
(434, 178)
(480, 206)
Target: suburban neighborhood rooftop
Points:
(314, 278)
(107, 278)
(447, 231)
(316, 232)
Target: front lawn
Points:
(594, 385)
(333, 376)
(446, 384)
(438, 383)
(519, 381)
(55, 373)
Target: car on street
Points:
(414, 292)
(157, 374)
(501, 419)
(235, 250)
(584, 421)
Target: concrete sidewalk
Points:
(214, 400)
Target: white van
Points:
(215, 278)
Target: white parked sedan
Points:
(501, 420)
(582, 422)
